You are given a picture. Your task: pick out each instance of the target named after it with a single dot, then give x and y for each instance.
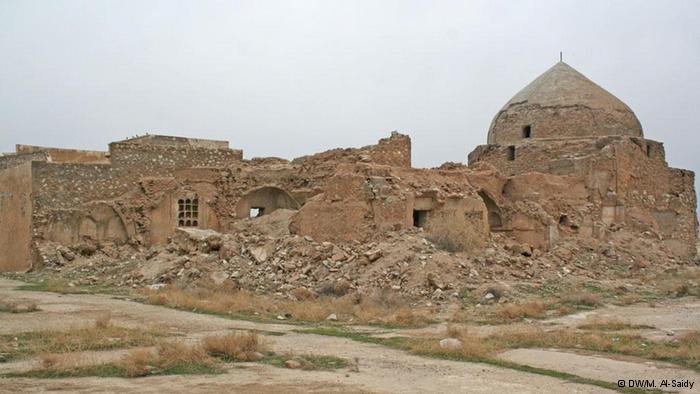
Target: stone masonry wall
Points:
(152, 157)
(14, 159)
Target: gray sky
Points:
(288, 78)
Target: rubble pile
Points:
(262, 256)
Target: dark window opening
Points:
(419, 217)
(648, 150)
(527, 131)
(188, 212)
(511, 153)
(564, 220)
(256, 212)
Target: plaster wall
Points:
(15, 218)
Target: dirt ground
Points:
(381, 369)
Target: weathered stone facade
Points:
(565, 160)
(590, 171)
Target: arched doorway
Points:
(263, 201)
(494, 213)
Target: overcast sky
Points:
(288, 78)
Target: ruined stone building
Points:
(564, 159)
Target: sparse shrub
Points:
(452, 233)
(382, 306)
(74, 340)
(103, 320)
(334, 288)
(138, 362)
(302, 294)
(533, 309)
(586, 299)
(235, 347)
(50, 360)
(454, 331)
(18, 307)
(176, 354)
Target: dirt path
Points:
(667, 317)
(603, 368)
(382, 370)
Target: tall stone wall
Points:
(152, 157)
(15, 218)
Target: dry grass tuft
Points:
(103, 320)
(532, 309)
(18, 307)
(452, 234)
(586, 299)
(378, 308)
(174, 354)
(302, 294)
(472, 347)
(455, 331)
(50, 360)
(74, 340)
(59, 361)
(235, 347)
(611, 325)
(138, 362)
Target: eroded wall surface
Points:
(15, 218)
(590, 187)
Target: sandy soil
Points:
(668, 317)
(603, 368)
(382, 370)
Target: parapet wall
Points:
(15, 159)
(182, 142)
(149, 157)
(60, 155)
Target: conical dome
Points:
(562, 103)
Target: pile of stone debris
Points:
(261, 255)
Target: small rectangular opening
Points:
(511, 153)
(527, 131)
(648, 150)
(256, 212)
(419, 217)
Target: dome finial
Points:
(561, 56)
